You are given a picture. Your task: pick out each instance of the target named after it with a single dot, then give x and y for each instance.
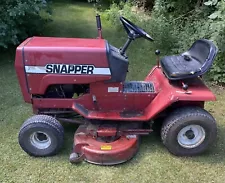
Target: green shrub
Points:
(198, 19)
(147, 4)
(156, 26)
(104, 3)
(175, 25)
(217, 29)
(20, 19)
(116, 10)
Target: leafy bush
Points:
(196, 19)
(147, 4)
(176, 24)
(20, 19)
(157, 27)
(217, 29)
(107, 3)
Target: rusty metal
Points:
(106, 132)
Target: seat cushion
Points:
(178, 67)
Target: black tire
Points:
(157, 125)
(41, 136)
(184, 117)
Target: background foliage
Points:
(20, 19)
(152, 163)
(176, 24)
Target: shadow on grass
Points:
(216, 153)
(73, 19)
(69, 130)
(7, 56)
(152, 145)
(148, 144)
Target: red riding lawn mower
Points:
(83, 81)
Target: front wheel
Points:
(188, 131)
(41, 135)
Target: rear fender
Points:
(168, 94)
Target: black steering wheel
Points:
(134, 31)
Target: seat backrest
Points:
(200, 50)
(203, 51)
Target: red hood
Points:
(55, 42)
(39, 51)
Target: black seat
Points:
(195, 62)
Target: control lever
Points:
(99, 26)
(157, 53)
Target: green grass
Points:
(152, 163)
(78, 20)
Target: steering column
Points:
(133, 32)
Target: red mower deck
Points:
(97, 151)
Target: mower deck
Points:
(102, 145)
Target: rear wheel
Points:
(41, 135)
(157, 125)
(188, 131)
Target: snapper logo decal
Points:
(67, 69)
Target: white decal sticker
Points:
(184, 92)
(131, 136)
(67, 69)
(113, 89)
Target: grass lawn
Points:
(152, 164)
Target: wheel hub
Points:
(41, 136)
(191, 136)
(40, 140)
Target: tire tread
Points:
(43, 120)
(180, 115)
